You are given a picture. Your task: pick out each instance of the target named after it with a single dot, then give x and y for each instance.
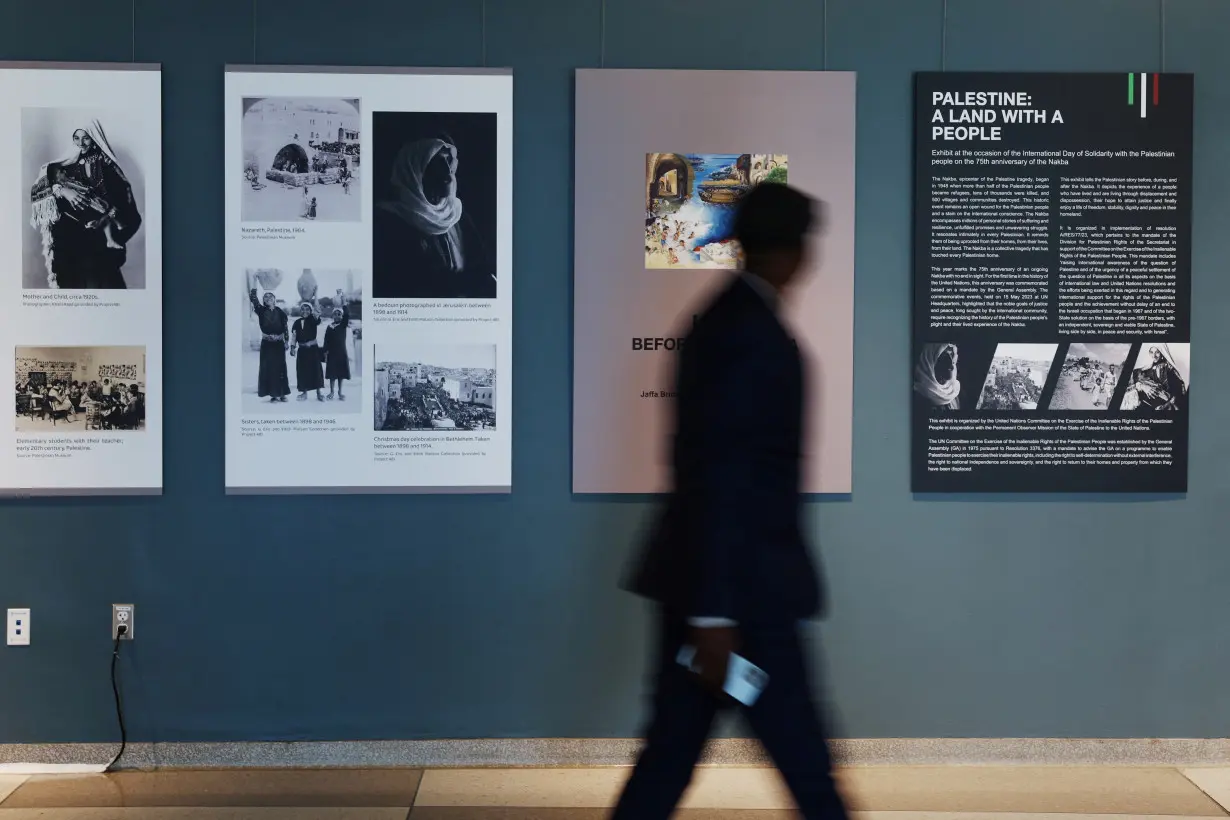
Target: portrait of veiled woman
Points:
(434, 220)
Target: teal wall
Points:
(392, 617)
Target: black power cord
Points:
(119, 706)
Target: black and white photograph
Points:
(436, 387)
(936, 382)
(1090, 373)
(84, 190)
(434, 217)
(302, 342)
(1017, 375)
(301, 160)
(1159, 381)
(67, 390)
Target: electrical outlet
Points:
(122, 615)
(19, 627)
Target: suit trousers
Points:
(784, 718)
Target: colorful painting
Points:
(690, 203)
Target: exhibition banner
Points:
(368, 280)
(662, 160)
(1052, 282)
(82, 243)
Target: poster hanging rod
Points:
(944, 38)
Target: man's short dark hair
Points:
(773, 217)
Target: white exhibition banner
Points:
(82, 250)
(368, 280)
(662, 158)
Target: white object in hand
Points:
(744, 679)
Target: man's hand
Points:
(714, 646)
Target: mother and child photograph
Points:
(84, 191)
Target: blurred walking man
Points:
(726, 562)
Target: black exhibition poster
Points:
(1052, 282)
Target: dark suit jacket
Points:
(728, 542)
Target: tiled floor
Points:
(717, 793)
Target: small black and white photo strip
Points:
(435, 387)
(301, 160)
(77, 390)
(1160, 379)
(935, 379)
(84, 198)
(302, 342)
(1017, 376)
(434, 218)
(1089, 375)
